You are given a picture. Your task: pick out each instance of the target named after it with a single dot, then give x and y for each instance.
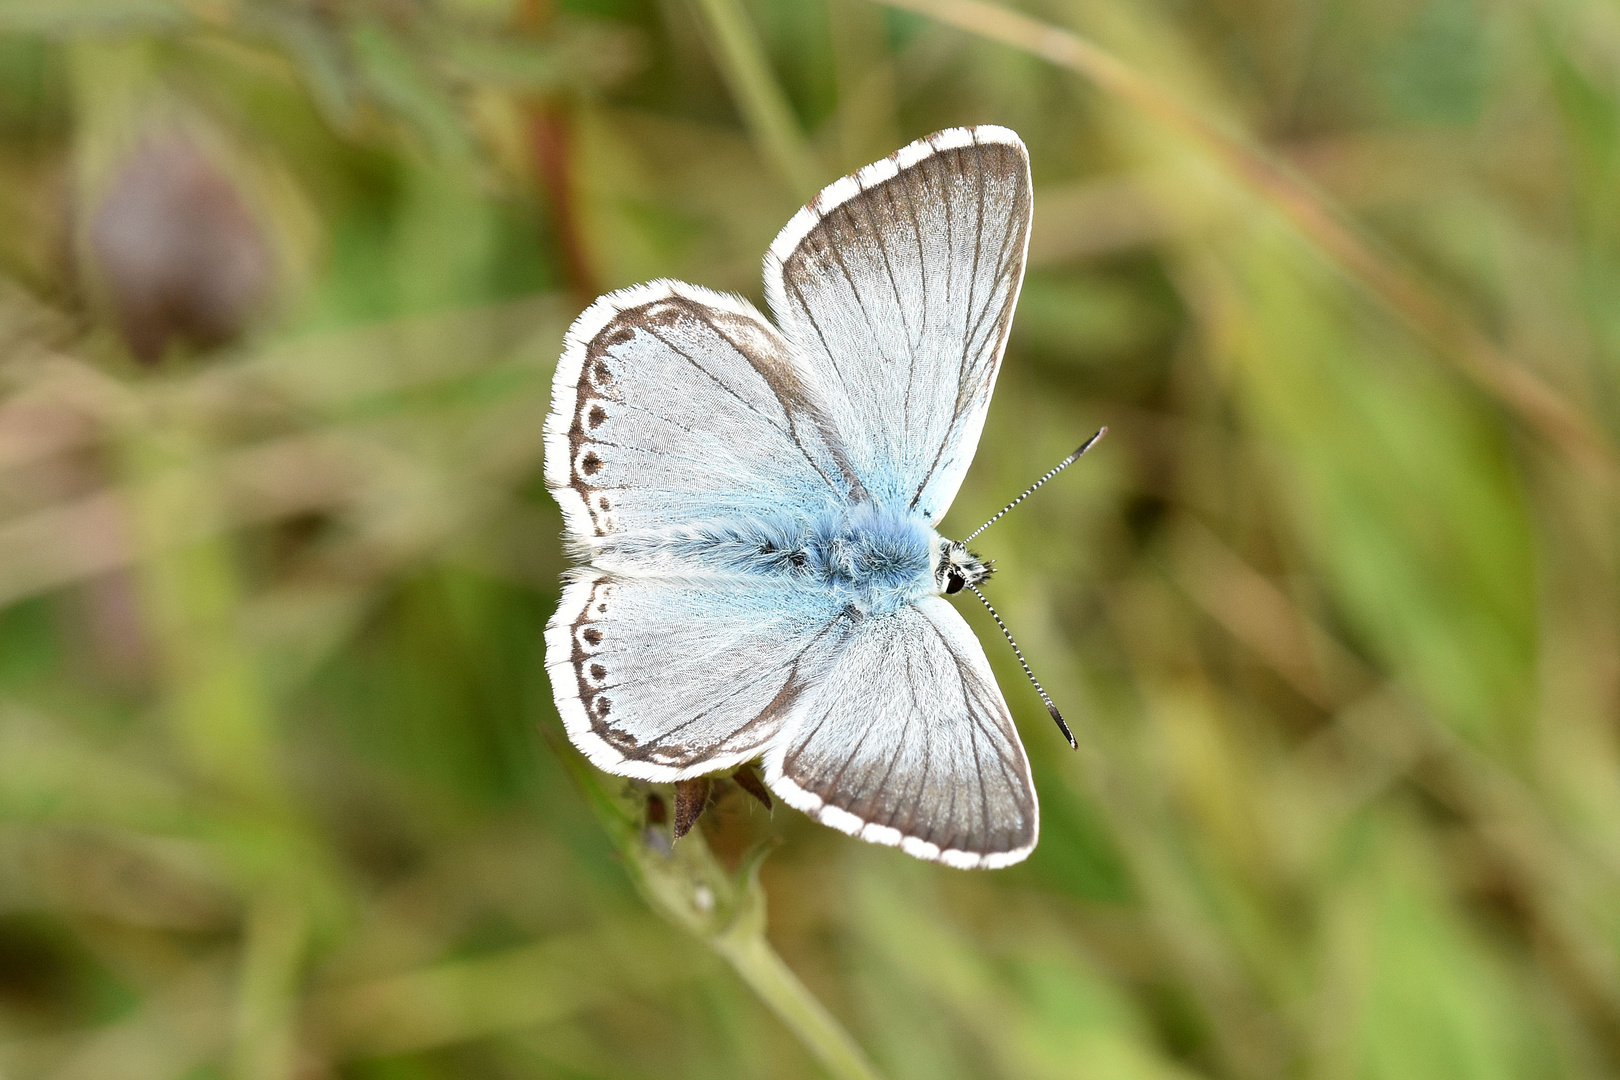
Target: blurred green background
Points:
(1333, 609)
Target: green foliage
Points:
(1333, 609)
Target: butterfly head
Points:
(958, 567)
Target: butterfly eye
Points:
(954, 581)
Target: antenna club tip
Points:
(1083, 447)
(1063, 727)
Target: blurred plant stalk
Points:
(224, 726)
(758, 94)
(1450, 333)
(219, 717)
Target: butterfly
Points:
(753, 505)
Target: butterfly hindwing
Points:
(907, 741)
(897, 284)
(664, 678)
(673, 404)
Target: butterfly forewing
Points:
(907, 741)
(897, 284)
(675, 404)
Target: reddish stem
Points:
(550, 139)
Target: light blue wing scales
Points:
(897, 285)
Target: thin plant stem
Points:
(768, 975)
(725, 909)
(1537, 404)
(275, 941)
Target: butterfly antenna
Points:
(1059, 467)
(1039, 689)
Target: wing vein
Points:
(899, 747)
(792, 666)
(645, 450)
(832, 360)
(645, 412)
(684, 355)
(793, 428)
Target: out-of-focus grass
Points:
(282, 792)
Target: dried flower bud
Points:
(179, 253)
(691, 798)
(749, 781)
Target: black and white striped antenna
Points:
(1039, 689)
(1059, 467)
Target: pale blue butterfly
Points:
(755, 509)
